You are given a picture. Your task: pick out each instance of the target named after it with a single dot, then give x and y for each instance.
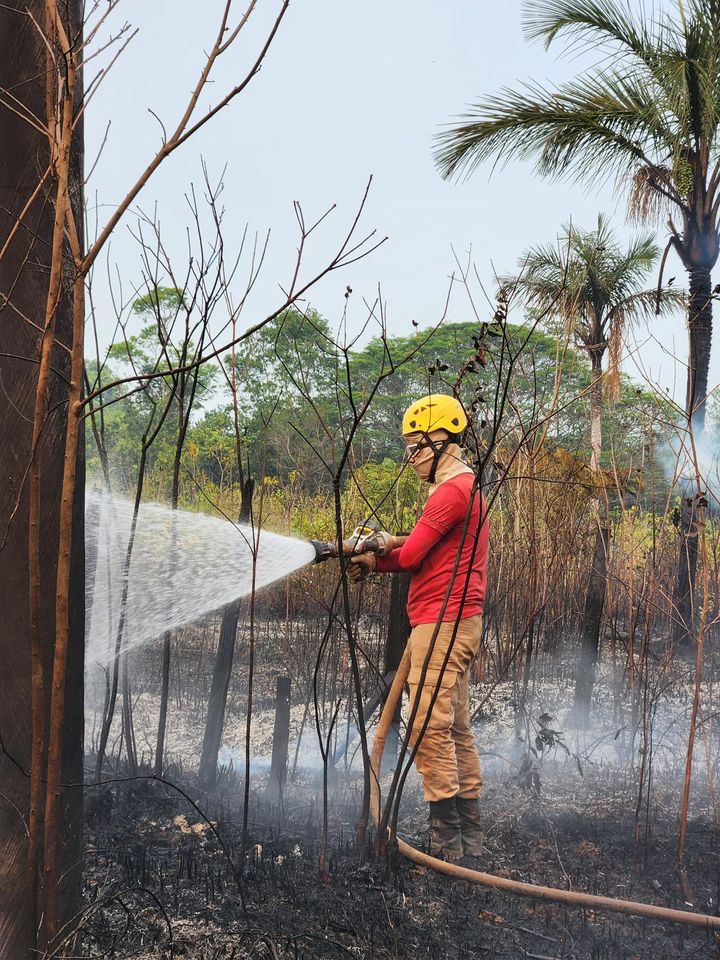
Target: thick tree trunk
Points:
(700, 340)
(24, 277)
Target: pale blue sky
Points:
(350, 88)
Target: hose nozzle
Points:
(365, 539)
(324, 550)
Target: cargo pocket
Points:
(443, 710)
(449, 679)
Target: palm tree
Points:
(595, 288)
(650, 114)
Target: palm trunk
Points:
(700, 339)
(595, 595)
(592, 622)
(596, 407)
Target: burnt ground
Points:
(158, 883)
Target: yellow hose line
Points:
(457, 872)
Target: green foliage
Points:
(163, 303)
(292, 356)
(280, 413)
(390, 493)
(212, 447)
(286, 377)
(380, 432)
(162, 344)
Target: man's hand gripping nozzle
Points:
(366, 541)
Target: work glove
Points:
(360, 567)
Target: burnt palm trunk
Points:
(597, 579)
(596, 408)
(700, 339)
(592, 623)
(28, 195)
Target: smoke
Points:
(685, 463)
(628, 729)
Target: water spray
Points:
(182, 566)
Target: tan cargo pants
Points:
(447, 757)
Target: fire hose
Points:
(536, 891)
(368, 539)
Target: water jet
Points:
(182, 565)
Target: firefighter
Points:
(446, 554)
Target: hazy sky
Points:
(349, 89)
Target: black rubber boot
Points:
(468, 809)
(444, 833)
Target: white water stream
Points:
(183, 565)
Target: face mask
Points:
(426, 452)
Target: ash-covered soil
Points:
(563, 807)
(160, 883)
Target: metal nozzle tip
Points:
(323, 550)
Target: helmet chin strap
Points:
(438, 451)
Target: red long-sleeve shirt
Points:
(431, 550)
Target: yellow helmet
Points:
(434, 412)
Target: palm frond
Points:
(593, 21)
(643, 305)
(702, 47)
(593, 284)
(649, 115)
(626, 271)
(601, 125)
(682, 58)
(621, 111)
(708, 10)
